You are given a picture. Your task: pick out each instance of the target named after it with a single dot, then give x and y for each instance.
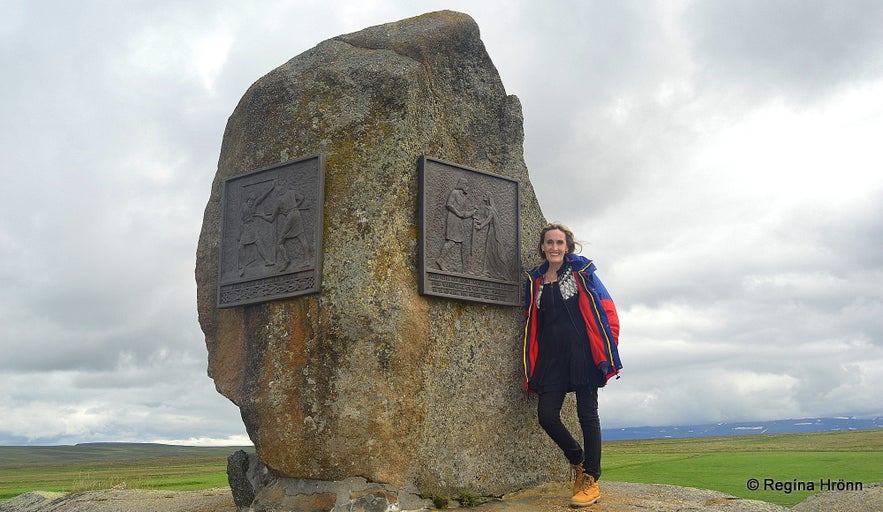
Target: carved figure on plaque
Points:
(492, 263)
(469, 234)
(460, 210)
(291, 242)
(252, 233)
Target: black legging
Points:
(549, 415)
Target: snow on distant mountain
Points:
(744, 428)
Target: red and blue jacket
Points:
(595, 307)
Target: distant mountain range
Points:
(744, 428)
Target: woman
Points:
(492, 264)
(570, 345)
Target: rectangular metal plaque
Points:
(271, 233)
(469, 234)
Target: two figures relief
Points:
(272, 233)
(466, 226)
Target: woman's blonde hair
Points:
(572, 245)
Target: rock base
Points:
(257, 488)
(249, 477)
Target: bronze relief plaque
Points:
(469, 234)
(271, 233)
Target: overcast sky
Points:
(721, 162)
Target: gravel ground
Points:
(615, 497)
(128, 500)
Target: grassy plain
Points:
(780, 463)
(721, 463)
(105, 465)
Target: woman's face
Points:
(555, 246)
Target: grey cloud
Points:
(788, 47)
(853, 235)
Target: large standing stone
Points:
(368, 378)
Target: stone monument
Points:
(364, 377)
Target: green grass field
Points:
(723, 463)
(102, 466)
(780, 463)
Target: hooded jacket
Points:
(594, 306)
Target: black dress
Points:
(564, 362)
